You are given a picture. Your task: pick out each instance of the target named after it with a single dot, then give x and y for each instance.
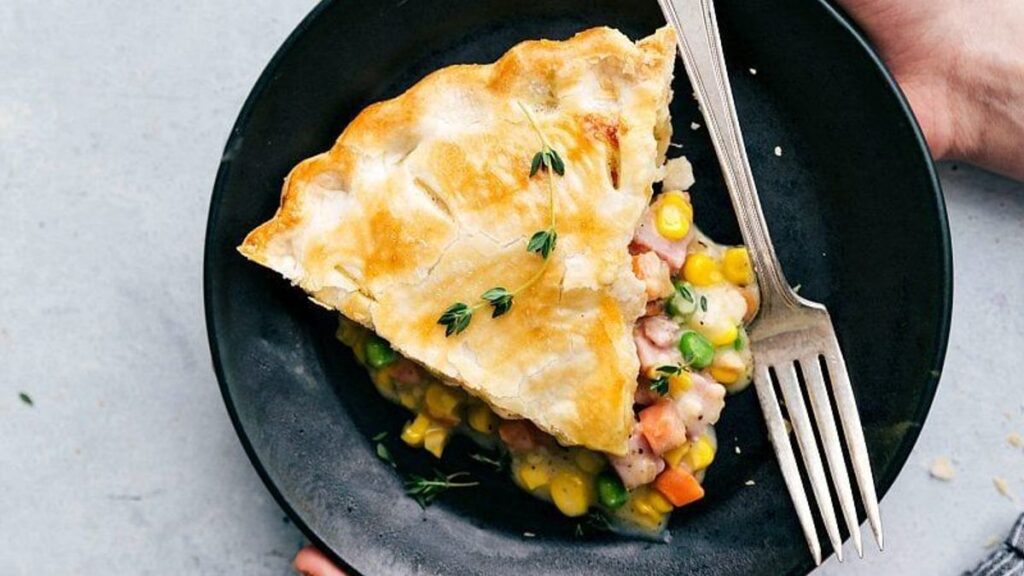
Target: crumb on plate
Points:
(1003, 487)
(942, 469)
(1015, 440)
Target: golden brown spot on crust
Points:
(393, 247)
(468, 187)
(605, 383)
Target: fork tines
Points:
(775, 365)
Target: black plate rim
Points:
(884, 482)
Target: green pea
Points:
(697, 350)
(610, 490)
(378, 353)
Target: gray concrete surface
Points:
(112, 119)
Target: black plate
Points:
(855, 211)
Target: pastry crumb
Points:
(942, 469)
(749, 483)
(738, 451)
(778, 151)
(753, 71)
(694, 126)
(1015, 440)
(1003, 487)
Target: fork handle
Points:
(699, 44)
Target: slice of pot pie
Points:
(505, 271)
(481, 224)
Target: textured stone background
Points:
(112, 119)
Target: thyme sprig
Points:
(426, 489)
(659, 383)
(499, 463)
(456, 318)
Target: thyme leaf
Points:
(426, 489)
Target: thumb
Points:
(312, 562)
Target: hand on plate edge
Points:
(961, 66)
(312, 562)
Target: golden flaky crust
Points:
(426, 200)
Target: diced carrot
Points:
(662, 427)
(679, 486)
(753, 298)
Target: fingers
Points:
(312, 562)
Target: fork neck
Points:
(700, 47)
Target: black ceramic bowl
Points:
(854, 208)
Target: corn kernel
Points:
(700, 455)
(435, 439)
(736, 266)
(644, 512)
(536, 457)
(589, 461)
(414, 431)
(725, 336)
(384, 383)
(659, 503)
(482, 420)
(351, 334)
(641, 505)
(443, 403)
(532, 476)
(679, 384)
(409, 399)
(728, 366)
(725, 375)
(701, 270)
(674, 456)
(674, 216)
(569, 490)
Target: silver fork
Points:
(791, 333)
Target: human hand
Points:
(312, 562)
(961, 65)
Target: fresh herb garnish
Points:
(684, 290)
(380, 436)
(458, 316)
(543, 242)
(425, 490)
(497, 463)
(594, 522)
(738, 344)
(704, 303)
(500, 299)
(547, 159)
(26, 399)
(384, 454)
(659, 384)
